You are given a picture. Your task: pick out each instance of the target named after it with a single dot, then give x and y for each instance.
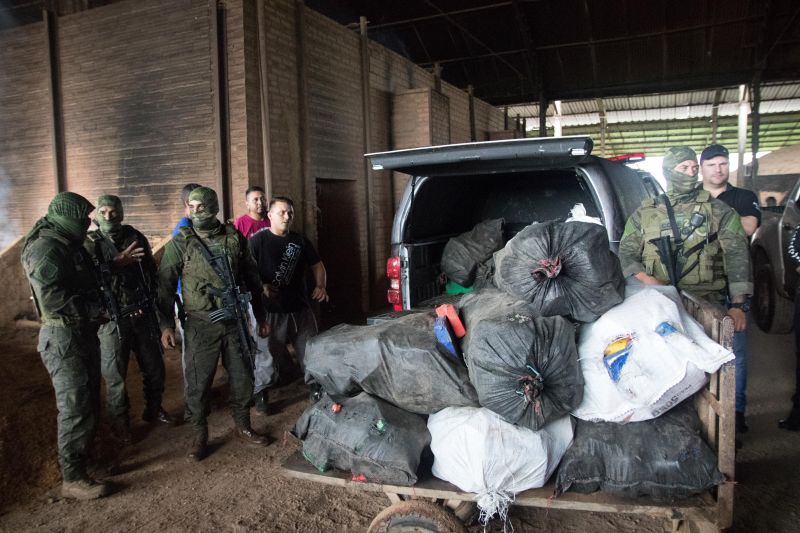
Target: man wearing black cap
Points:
(715, 168)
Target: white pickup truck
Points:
(774, 273)
(453, 187)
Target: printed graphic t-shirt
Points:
(283, 263)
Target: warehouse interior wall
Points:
(136, 99)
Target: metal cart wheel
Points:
(417, 516)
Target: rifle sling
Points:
(210, 258)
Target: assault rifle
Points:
(234, 305)
(143, 304)
(668, 257)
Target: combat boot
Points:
(792, 422)
(151, 415)
(741, 423)
(199, 447)
(84, 489)
(247, 435)
(262, 402)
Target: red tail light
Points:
(393, 267)
(394, 294)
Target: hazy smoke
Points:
(8, 228)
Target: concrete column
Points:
(744, 109)
(557, 119)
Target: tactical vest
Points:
(197, 275)
(709, 269)
(125, 283)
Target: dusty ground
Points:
(241, 489)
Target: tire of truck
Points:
(772, 312)
(416, 516)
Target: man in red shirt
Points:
(256, 217)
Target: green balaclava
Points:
(69, 212)
(207, 219)
(109, 227)
(677, 182)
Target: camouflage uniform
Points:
(719, 265)
(204, 340)
(65, 291)
(140, 333)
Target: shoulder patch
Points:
(46, 269)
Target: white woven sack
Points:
(659, 373)
(479, 452)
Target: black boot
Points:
(792, 422)
(262, 402)
(199, 447)
(741, 424)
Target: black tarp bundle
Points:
(563, 268)
(463, 255)
(664, 458)
(396, 360)
(524, 368)
(364, 435)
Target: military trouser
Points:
(205, 342)
(289, 328)
(117, 339)
(72, 357)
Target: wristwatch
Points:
(744, 306)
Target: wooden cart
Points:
(435, 505)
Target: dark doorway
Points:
(339, 248)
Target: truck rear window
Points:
(449, 205)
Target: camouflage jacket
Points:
(125, 282)
(63, 280)
(720, 263)
(184, 259)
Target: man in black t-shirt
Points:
(715, 168)
(283, 257)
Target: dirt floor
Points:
(238, 488)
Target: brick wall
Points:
(140, 101)
(283, 97)
(139, 105)
(27, 166)
(244, 101)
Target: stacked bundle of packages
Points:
(397, 361)
(373, 439)
(562, 268)
(500, 418)
(639, 361)
(467, 259)
(379, 379)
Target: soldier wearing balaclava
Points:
(66, 295)
(133, 287)
(189, 256)
(705, 234)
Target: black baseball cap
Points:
(712, 151)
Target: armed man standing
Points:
(213, 261)
(130, 297)
(689, 239)
(67, 298)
